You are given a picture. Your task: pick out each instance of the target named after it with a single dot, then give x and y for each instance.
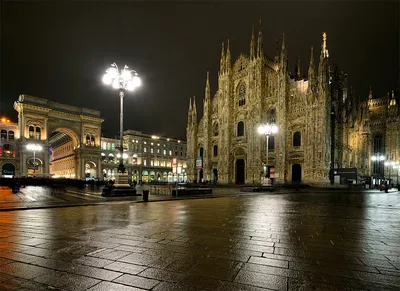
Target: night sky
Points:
(59, 51)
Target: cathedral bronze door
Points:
(296, 173)
(240, 171)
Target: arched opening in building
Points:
(296, 173)
(8, 170)
(63, 143)
(90, 170)
(35, 166)
(297, 139)
(240, 171)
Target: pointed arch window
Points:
(31, 132)
(240, 128)
(92, 140)
(242, 95)
(271, 116)
(271, 143)
(215, 150)
(216, 129)
(87, 139)
(38, 132)
(297, 139)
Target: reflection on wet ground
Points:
(299, 241)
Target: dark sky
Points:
(59, 51)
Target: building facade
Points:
(146, 157)
(321, 126)
(9, 135)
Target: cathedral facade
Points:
(321, 125)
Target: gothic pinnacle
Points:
(260, 52)
(252, 45)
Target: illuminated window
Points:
(145, 142)
(108, 146)
(158, 151)
(31, 131)
(170, 153)
(158, 144)
(151, 150)
(152, 144)
(87, 139)
(145, 150)
(38, 133)
(92, 140)
(3, 134)
(164, 152)
(113, 146)
(145, 162)
(151, 163)
(11, 135)
(242, 95)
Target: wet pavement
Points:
(309, 240)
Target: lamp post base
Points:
(121, 180)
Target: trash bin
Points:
(145, 195)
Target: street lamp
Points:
(267, 129)
(123, 80)
(35, 148)
(378, 158)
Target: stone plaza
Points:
(317, 239)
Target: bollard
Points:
(145, 195)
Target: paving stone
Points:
(269, 262)
(261, 280)
(22, 270)
(137, 281)
(200, 282)
(161, 275)
(108, 286)
(229, 286)
(125, 268)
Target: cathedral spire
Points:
(324, 50)
(283, 59)
(370, 92)
(228, 58)
(260, 51)
(311, 72)
(393, 100)
(207, 91)
(194, 111)
(190, 111)
(222, 62)
(277, 51)
(298, 71)
(252, 45)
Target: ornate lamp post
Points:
(34, 148)
(267, 129)
(123, 80)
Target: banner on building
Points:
(199, 163)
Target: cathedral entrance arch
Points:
(240, 171)
(296, 173)
(69, 135)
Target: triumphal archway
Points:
(69, 138)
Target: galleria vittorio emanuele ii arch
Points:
(69, 137)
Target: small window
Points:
(297, 139)
(92, 141)
(87, 139)
(215, 150)
(164, 152)
(201, 152)
(240, 128)
(145, 150)
(11, 135)
(151, 150)
(242, 95)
